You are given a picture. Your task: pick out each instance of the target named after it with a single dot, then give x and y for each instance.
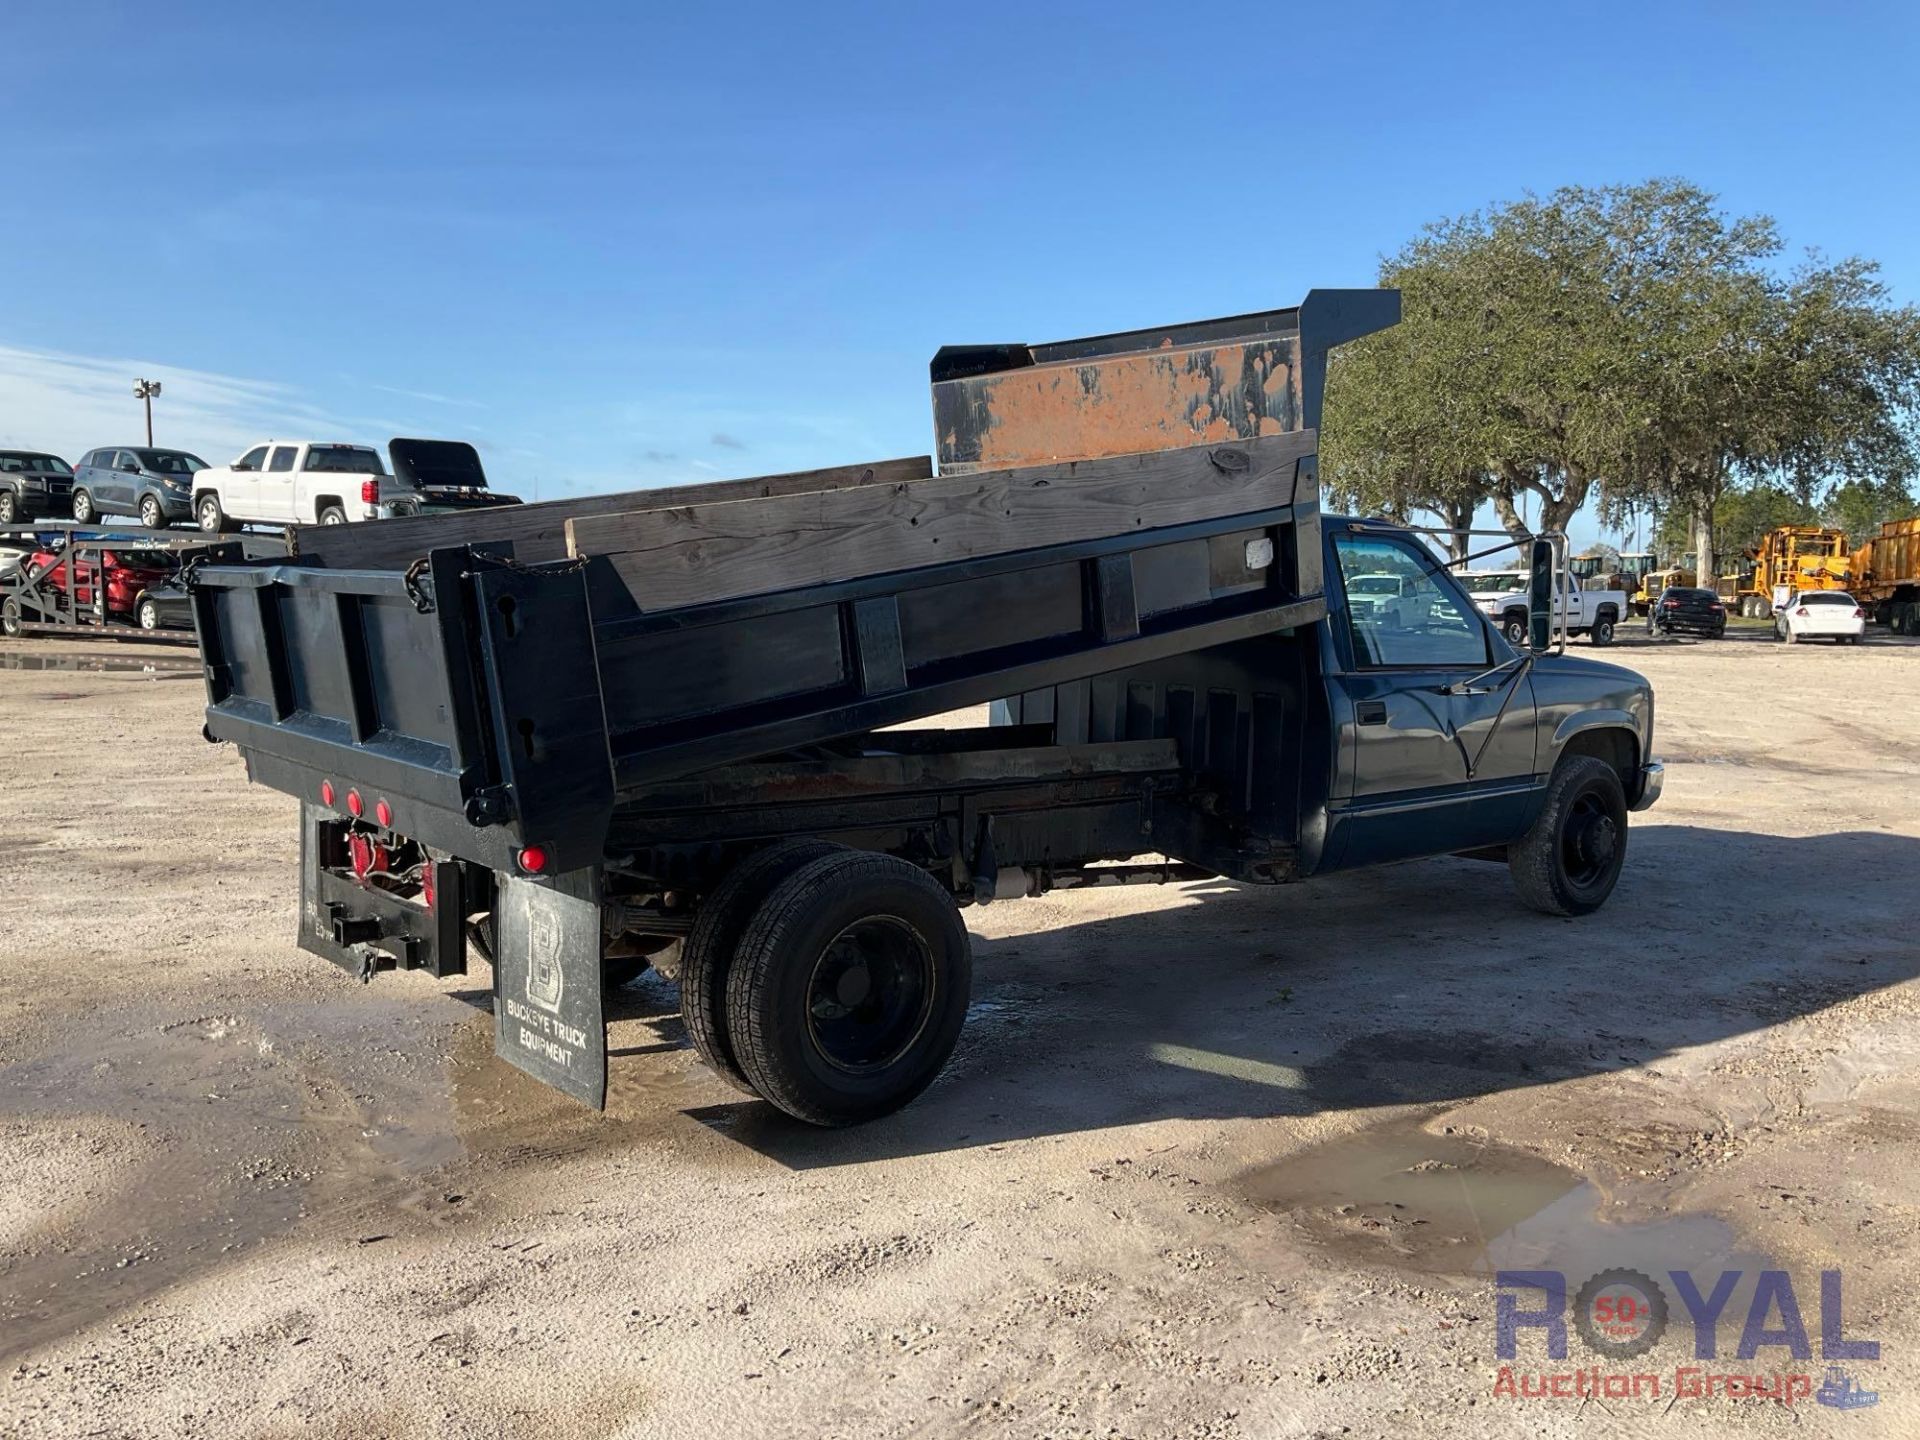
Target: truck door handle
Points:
(1370, 712)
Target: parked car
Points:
(1687, 610)
(127, 574)
(164, 606)
(1501, 595)
(308, 482)
(1824, 614)
(156, 485)
(33, 485)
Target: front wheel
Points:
(849, 988)
(211, 517)
(1514, 627)
(83, 511)
(9, 508)
(149, 615)
(1568, 863)
(151, 515)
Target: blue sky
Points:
(632, 245)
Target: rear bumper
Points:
(1653, 776)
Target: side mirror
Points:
(1540, 597)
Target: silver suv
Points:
(156, 485)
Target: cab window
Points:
(1398, 611)
(252, 460)
(283, 456)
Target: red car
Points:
(126, 576)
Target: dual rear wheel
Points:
(831, 982)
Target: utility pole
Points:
(146, 390)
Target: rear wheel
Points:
(151, 515)
(10, 618)
(333, 515)
(850, 988)
(1602, 632)
(706, 960)
(83, 510)
(1568, 863)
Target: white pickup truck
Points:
(1501, 595)
(312, 482)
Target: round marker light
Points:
(326, 793)
(383, 812)
(533, 859)
(355, 805)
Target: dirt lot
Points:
(1211, 1161)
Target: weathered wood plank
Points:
(539, 532)
(688, 554)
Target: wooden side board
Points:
(538, 532)
(688, 554)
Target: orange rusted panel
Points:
(1081, 409)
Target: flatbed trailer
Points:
(582, 735)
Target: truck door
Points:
(1431, 765)
(278, 487)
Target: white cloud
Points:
(69, 404)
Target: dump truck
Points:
(569, 738)
(1788, 558)
(1886, 576)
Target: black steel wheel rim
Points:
(1589, 839)
(870, 994)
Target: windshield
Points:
(1494, 582)
(170, 462)
(1374, 585)
(344, 459)
(1827, 597)
(21, 462)
(1691, 595)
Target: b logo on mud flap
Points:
(546, 981)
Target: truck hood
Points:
(436, 464)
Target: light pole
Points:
(146, 390)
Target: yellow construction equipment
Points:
(1654, 581)
(1789, 558)
(1886, 576)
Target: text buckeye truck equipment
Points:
(581, 734)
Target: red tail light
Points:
(1669, 604)
(1801, 611)
(383, 812)
(1859, 614)
(533, 859)
(326, 793)
(355, 805)
(370, 491)
(426, 883)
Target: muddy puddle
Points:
(184, 667)
(228, 1132)
(1407, 1194)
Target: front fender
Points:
(1601, 719)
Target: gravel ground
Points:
(1211, 1161)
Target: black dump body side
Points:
(490, 704)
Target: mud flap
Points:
(547, 1010)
